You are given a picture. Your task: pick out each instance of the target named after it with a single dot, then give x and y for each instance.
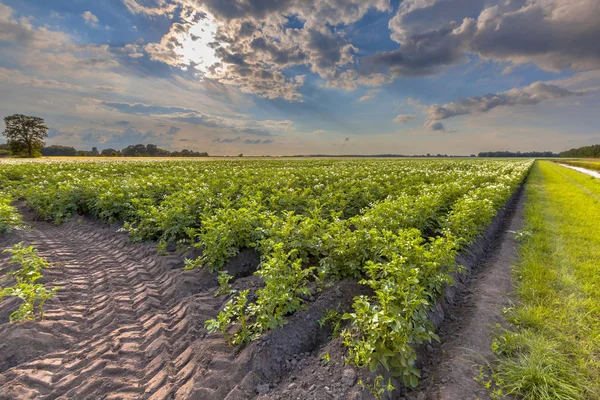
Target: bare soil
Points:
(467, 334)
(129, 324)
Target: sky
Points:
(283, 77)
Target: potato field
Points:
(219, 279)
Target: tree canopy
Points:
(517, 154)
(56, 150)
(583, 152)
(25, 134)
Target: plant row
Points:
(393, 225)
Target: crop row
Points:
(394, 225)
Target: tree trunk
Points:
(30, 149)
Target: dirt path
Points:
(595, 174)
(120, 327)
(467, 334)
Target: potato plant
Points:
(33, 295)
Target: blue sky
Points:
(299, 77)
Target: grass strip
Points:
(552, 350)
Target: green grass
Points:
(552, 350)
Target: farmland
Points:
(239, 261)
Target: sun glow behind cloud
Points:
(195, 46)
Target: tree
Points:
(151, 150)
(94, 152)
(109, 152)
(59, 151)
(25, 133)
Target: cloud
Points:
(16, 77)
(227, 140)
(404, 118)
(144, 109)
(22, 33)
(369, 95)
(252, 141)
(532, 94)
(253, 44)
(347, 139)
(434, 126)
(257, 141)
(196, 117)
(112, 138)
(433, 34)
(173, 130)
(160, 8)
(318, 132)
(351, 79)
(90, 19)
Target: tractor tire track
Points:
(124, 324)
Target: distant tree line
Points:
(25, 136)
(583, 152)
(137, 150)
(535, 154)
(377, 155)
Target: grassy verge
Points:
(552, 350)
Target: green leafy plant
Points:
(385, 327)
(285, 285)
(334, 318)
(377, 388)
(325, 358)
(33, 295)
(234, 312)
(224, 285)
(9, 217)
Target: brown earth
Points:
(129, 324)
(466, 336)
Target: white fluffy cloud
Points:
(404, 118)
(90, 18)
(160, 7)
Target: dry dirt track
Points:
(124, 325)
